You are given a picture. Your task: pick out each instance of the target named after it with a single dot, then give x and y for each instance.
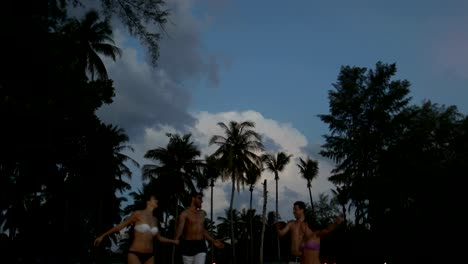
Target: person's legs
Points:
(193, 251)
(188, 259)
(140, 258)
(294, 260)
(200, 258)
(150, 260)
(133, 259)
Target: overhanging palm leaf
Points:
(91, 37)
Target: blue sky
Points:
(273, 62)
(285, 55)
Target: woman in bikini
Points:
(145, 229)
(311, 242)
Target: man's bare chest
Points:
(297, 228)
(194, 219)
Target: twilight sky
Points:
(273, 62)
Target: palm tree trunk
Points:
(66, 216)
(166, 218)
(250, 226)
(344, 213)
(276, 216)
(277, 219)
(262, 236)
(211, 218)
(310, 195)
(233, 244)
(12, 231)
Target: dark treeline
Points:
(61, 167)
(397, 164)
(63, 170)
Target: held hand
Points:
(339, 220)
(175, 241)
(218, 244)
(278, 226)
(98, 241)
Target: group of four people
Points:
(305, 238)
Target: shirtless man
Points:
(296, 228)
(191, 223)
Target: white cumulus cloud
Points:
(292, 186)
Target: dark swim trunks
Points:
(192, 247)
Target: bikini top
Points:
(313, 245)
(146, 228)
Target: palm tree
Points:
(276, 165)
(101, 159)
(137, 197)
(231, 219)
(251, 178)
(91, 37)
(177, 169)
(309, 171)
(262, 236)
(211, 172)
(342, 197)
(116, 140)
(237, 154)
(177, 166)
(252, 224)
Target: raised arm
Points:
(133, 218)
(330, 228)
(284, 231)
